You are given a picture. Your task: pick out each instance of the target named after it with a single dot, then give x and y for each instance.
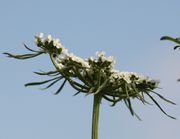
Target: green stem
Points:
(54, 63)
(96, 106)
(95, 116)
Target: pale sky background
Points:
(130, 30)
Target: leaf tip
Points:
(163, 38)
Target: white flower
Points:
(79, 60)
(64, 51)
(58, 46)
(55, 42)
(41, 35)
(110, 59)
(100, 54)
(36, 40)
(60, 66)
(114, 70)
(116, 77)
(126, 76)
(91, 58)
(49, 38)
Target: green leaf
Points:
(169, 101)
(24, 56)
(51, 73)
(60, 88)
(112, 100)
(141, 98)
(77, 93)
(29, 48)
(79, 85)
(130, 106)
(40, 83)
(76, 86)
(159, 106)
(170, 39)
(51, 84)
(178, 46)
(134, 114)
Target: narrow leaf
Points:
(25, 56)
(165, 99)
(170, 39)
(77, 93)
(130, 106)
(81, 77)
(108, 99)
(40, 83)
(159, 106)
(178, 46)
(78, 84)
(29, 48)
(51, 84)
(133, 110)
(76, 87)
(61, 87)
(53, 73)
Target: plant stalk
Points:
(95, 116)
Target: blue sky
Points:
(129, 30)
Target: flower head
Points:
(95, 75)
(49, 43)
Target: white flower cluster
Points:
(101, 55)
(64, 55)
(65, 59)
(130, 77)
(77, 59)
(40, 39)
